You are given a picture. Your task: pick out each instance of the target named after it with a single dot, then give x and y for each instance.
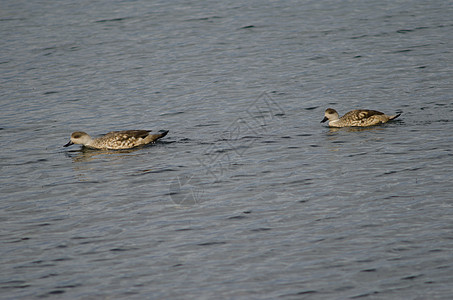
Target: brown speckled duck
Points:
(358, 117)
(116, 140)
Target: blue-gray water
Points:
(249, 196)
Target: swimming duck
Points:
(358, 117)
(116, 140)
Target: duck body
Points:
(116, 140)
(356, 118)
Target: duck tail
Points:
(163, 133)
(394, 117)
(159, 135)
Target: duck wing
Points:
(126, 134)
(360, 114)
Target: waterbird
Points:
(357, 117)
(116, 140)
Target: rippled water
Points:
(248, 196)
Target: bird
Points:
(357, 117)
(116, 140)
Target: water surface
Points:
(248, 196)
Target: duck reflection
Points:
(354, 129)
(86, 154)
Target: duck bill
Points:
(69, 144)
(325, 119)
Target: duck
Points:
(116, 140)
(357, 118)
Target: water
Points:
(249, 196)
